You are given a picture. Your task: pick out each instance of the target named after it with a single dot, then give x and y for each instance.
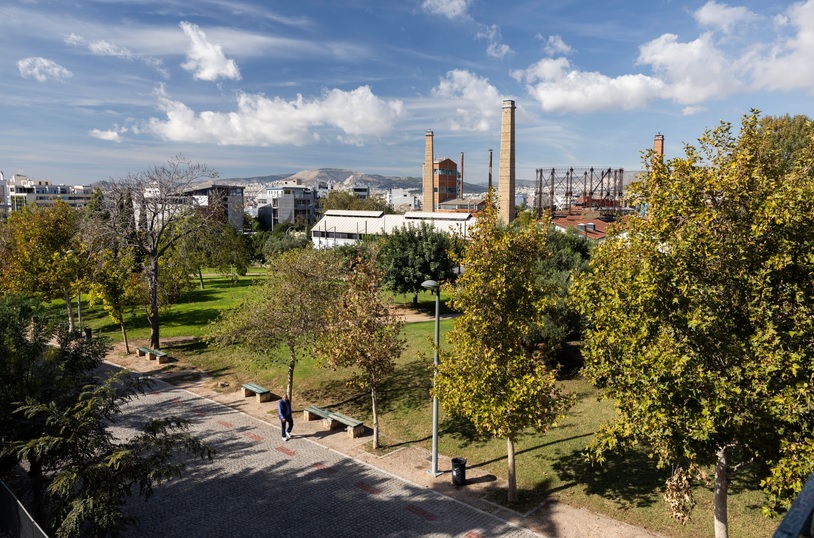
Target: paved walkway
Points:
(258, 485)
(321, 483)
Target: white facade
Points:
(20, 191)
(402, 198)
(341, 227)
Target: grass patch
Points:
(628, 487)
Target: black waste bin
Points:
(458, 471)
(88, 333)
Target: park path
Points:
(321, 483)
(258, 485)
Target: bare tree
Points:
(149, 212)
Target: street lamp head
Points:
(430, 285)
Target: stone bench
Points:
(153, 354)
(332, 420)
(250, 389)
(312, 412)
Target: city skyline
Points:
(94, 90)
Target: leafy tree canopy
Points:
(701, 314)
(289, 308)
(495, 375)
(363, 333)
(339, 199)
(412, 254)
(55, 415)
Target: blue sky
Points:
(96, 89)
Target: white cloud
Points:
(692, 110)
(692, 72)
(495, 47)
(554, 45)
(42, 69)
(723, 17)
(787, 65)
(448, 8)
(104, 48)
(557, 86)
(475, 101)
(205, 59)
(263, 121)
(112, 135)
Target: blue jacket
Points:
(283, 408)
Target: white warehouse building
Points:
(346, 227)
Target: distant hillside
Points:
(333, 176)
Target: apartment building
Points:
(290, 202)
(19, 191)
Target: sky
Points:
(96, 89)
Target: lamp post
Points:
(435, 288)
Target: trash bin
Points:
(458, 471)
(88, 333)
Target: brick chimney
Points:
(427, 182)
(505, 186)
(658, 145)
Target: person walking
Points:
(284, 411)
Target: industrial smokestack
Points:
(462, 175)
(490, 168)
(658, 145)
(505, 186)
(427, 182)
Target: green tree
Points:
(700, 316)
(113, 284)
(339, 199)
(495, 375)
(410, 255)
(56, 417)
(789, 136)
(42, 253)
(219, 246)
(145, 211)
(289, 308)
(568, 255)
(363, 333)
(284, 237)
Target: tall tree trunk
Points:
(375, 416)
(292, 362)
(155, 340)
(79, 307)
(721, 491)
(200, 277)
(124, 337)
(512, 477)
(68, 307)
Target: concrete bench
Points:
(355, 428)
(250, 389)
(333, 420)
(312, 412)
(153, 354)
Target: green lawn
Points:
(627, 487)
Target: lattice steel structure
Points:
(564, 189)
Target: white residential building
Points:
(20, 191)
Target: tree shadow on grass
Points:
(407, 387)
(191, 346)
(464, 431)
(630, 479)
